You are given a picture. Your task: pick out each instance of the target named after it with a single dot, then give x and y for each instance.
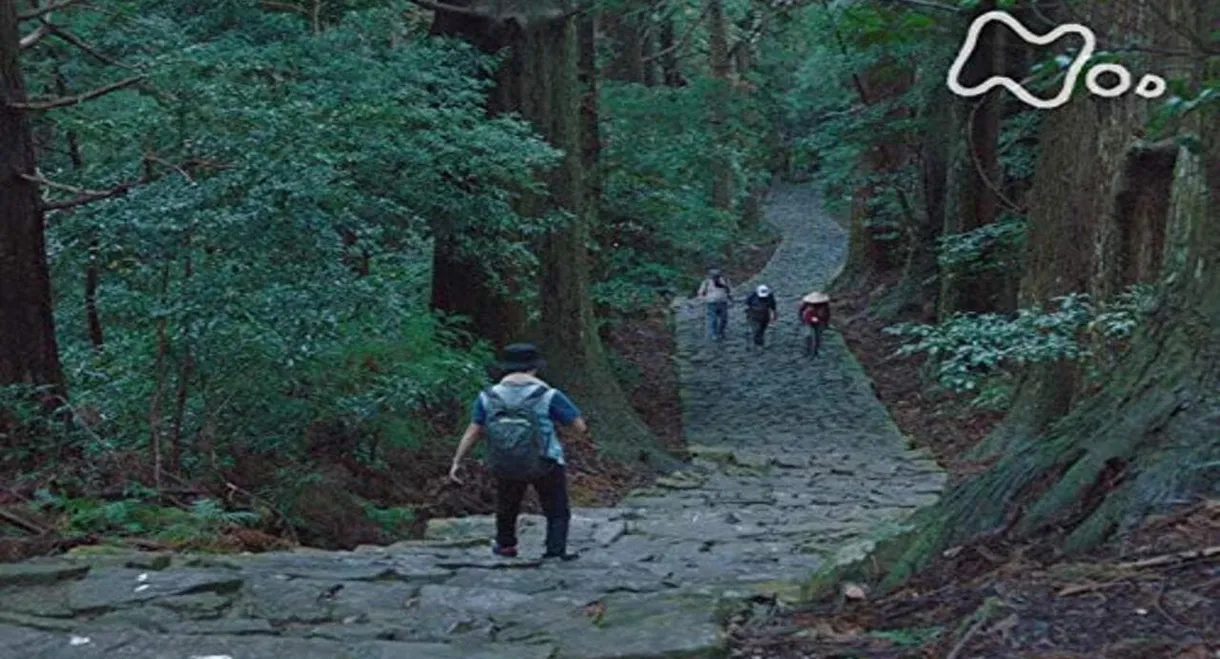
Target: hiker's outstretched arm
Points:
(472, 434)
(579, 425)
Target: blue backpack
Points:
(516, 441)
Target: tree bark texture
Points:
(1096, 187)
(1147, 438)
(975, 176)
(722, 69)
(541, 79)
(29, 353)
(459, 286)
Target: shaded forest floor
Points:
(1152, 593)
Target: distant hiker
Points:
(760, 310)
(716, 293)
(815, 314)
(519, 418)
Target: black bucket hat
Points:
(520, 357)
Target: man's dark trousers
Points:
(552, 492)
(760, 330)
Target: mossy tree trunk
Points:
(625, 26)
(1094, 187)
(460, 286)
(722, 69)
(1144, 442)
(1082, 465)
(671, 75)
(29, 353)
(871, 251)
(588, 75)
(541, 78)
(974, 176)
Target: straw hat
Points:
(816, 297)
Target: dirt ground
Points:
(1152, 593)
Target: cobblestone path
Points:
(795, 464)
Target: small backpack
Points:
(809, 315)
(757, 308)
(516, 442)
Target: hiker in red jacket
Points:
(815, 314)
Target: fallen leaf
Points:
(595, 609)
(1005, 626)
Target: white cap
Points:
(763, 291)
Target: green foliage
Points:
(268, 290)
(971, 352)
(658, 223)
(203, 520)
(1183, 101)
(1018, 152)
(394, 521)
(264, 292)
(831, 123)
(995, 246)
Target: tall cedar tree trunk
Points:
(28, 350)
(1146, 439)
(93, 319)
(648, 47)
(459, 286)
(868, 254)
(975, 175)
(625, 27)
(1092, 229)
(915, 294)
(670, 73)
(588, 75)
(753, 206)
(722, 69)
(541, 79)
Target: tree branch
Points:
(83, 195)
(748, 39)
(681, 43)
(781, 5)
(44, 10)
(929, 5)
(50, 104)
(79, 43)
(34, 37)
(451, 9)
(467, 11)
(978, 163)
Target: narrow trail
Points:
(797, 464)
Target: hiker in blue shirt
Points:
(518, 416)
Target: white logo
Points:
(1151, 86)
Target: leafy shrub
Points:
(658, 223)
(994, 246)
(276, 284)
(969, 353)
(202, 520)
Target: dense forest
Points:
(255, 256)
